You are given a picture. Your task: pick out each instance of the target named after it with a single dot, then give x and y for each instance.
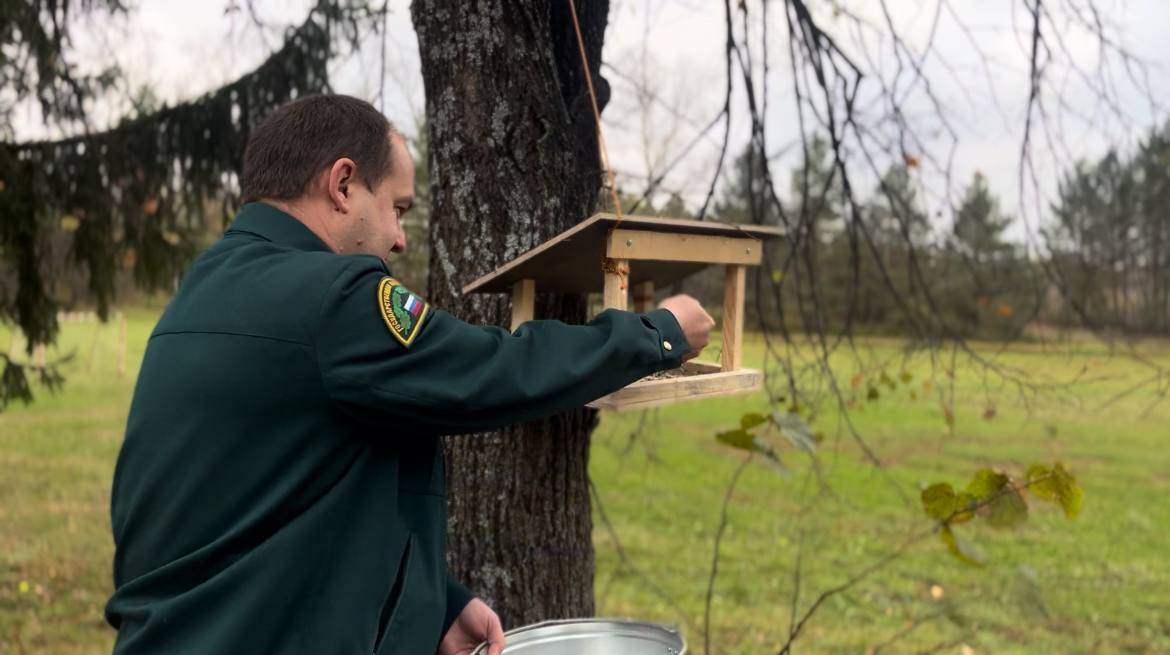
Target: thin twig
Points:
(715, 552)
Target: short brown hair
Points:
(297, 141)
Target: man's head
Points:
(339, 166)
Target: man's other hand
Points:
(476, 624)
(696, 323)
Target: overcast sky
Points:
(182, 48)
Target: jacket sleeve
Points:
(458, 597)
(449, 377)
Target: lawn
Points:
(1098, 584)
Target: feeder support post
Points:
(615, 293)
(523, 302)
(733, 291)
(644, 297)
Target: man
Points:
(281, 485)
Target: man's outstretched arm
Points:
(386, 355)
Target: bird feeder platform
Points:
(641, 254)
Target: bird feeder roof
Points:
(571, 262)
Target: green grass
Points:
(1098, 584)
(56, 465)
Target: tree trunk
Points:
(513, 162)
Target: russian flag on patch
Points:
(413, 305)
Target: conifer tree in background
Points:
(136, 197)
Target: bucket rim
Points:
(631, 625)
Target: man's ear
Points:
(342, 177)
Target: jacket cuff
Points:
(458, 597)
(672, 343)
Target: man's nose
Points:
(400, 243)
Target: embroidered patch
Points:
(403, 311)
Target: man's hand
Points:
(696, 324)
(476, 624)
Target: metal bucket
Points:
(592, 637)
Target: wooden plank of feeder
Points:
(616, 291)
(570, 261)
(733, 292)
(671, 247)
(645, 394)
(644, 297)
(523, 302)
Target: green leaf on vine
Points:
(740, 438)
(986, 484)
(1056, 484)
(962, 549)
(942, 503)
(939, 501)
(1003, 505)
(744, 440)
(751, 420)
(999, 500)
(964, 511)
(1008, 509)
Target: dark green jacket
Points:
(281, 486)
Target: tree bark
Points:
(513, 161)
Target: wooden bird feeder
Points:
(641, 254)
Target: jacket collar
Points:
(272, 224)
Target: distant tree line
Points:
(1109, 242)
(1101, 260)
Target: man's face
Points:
(376, 225)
